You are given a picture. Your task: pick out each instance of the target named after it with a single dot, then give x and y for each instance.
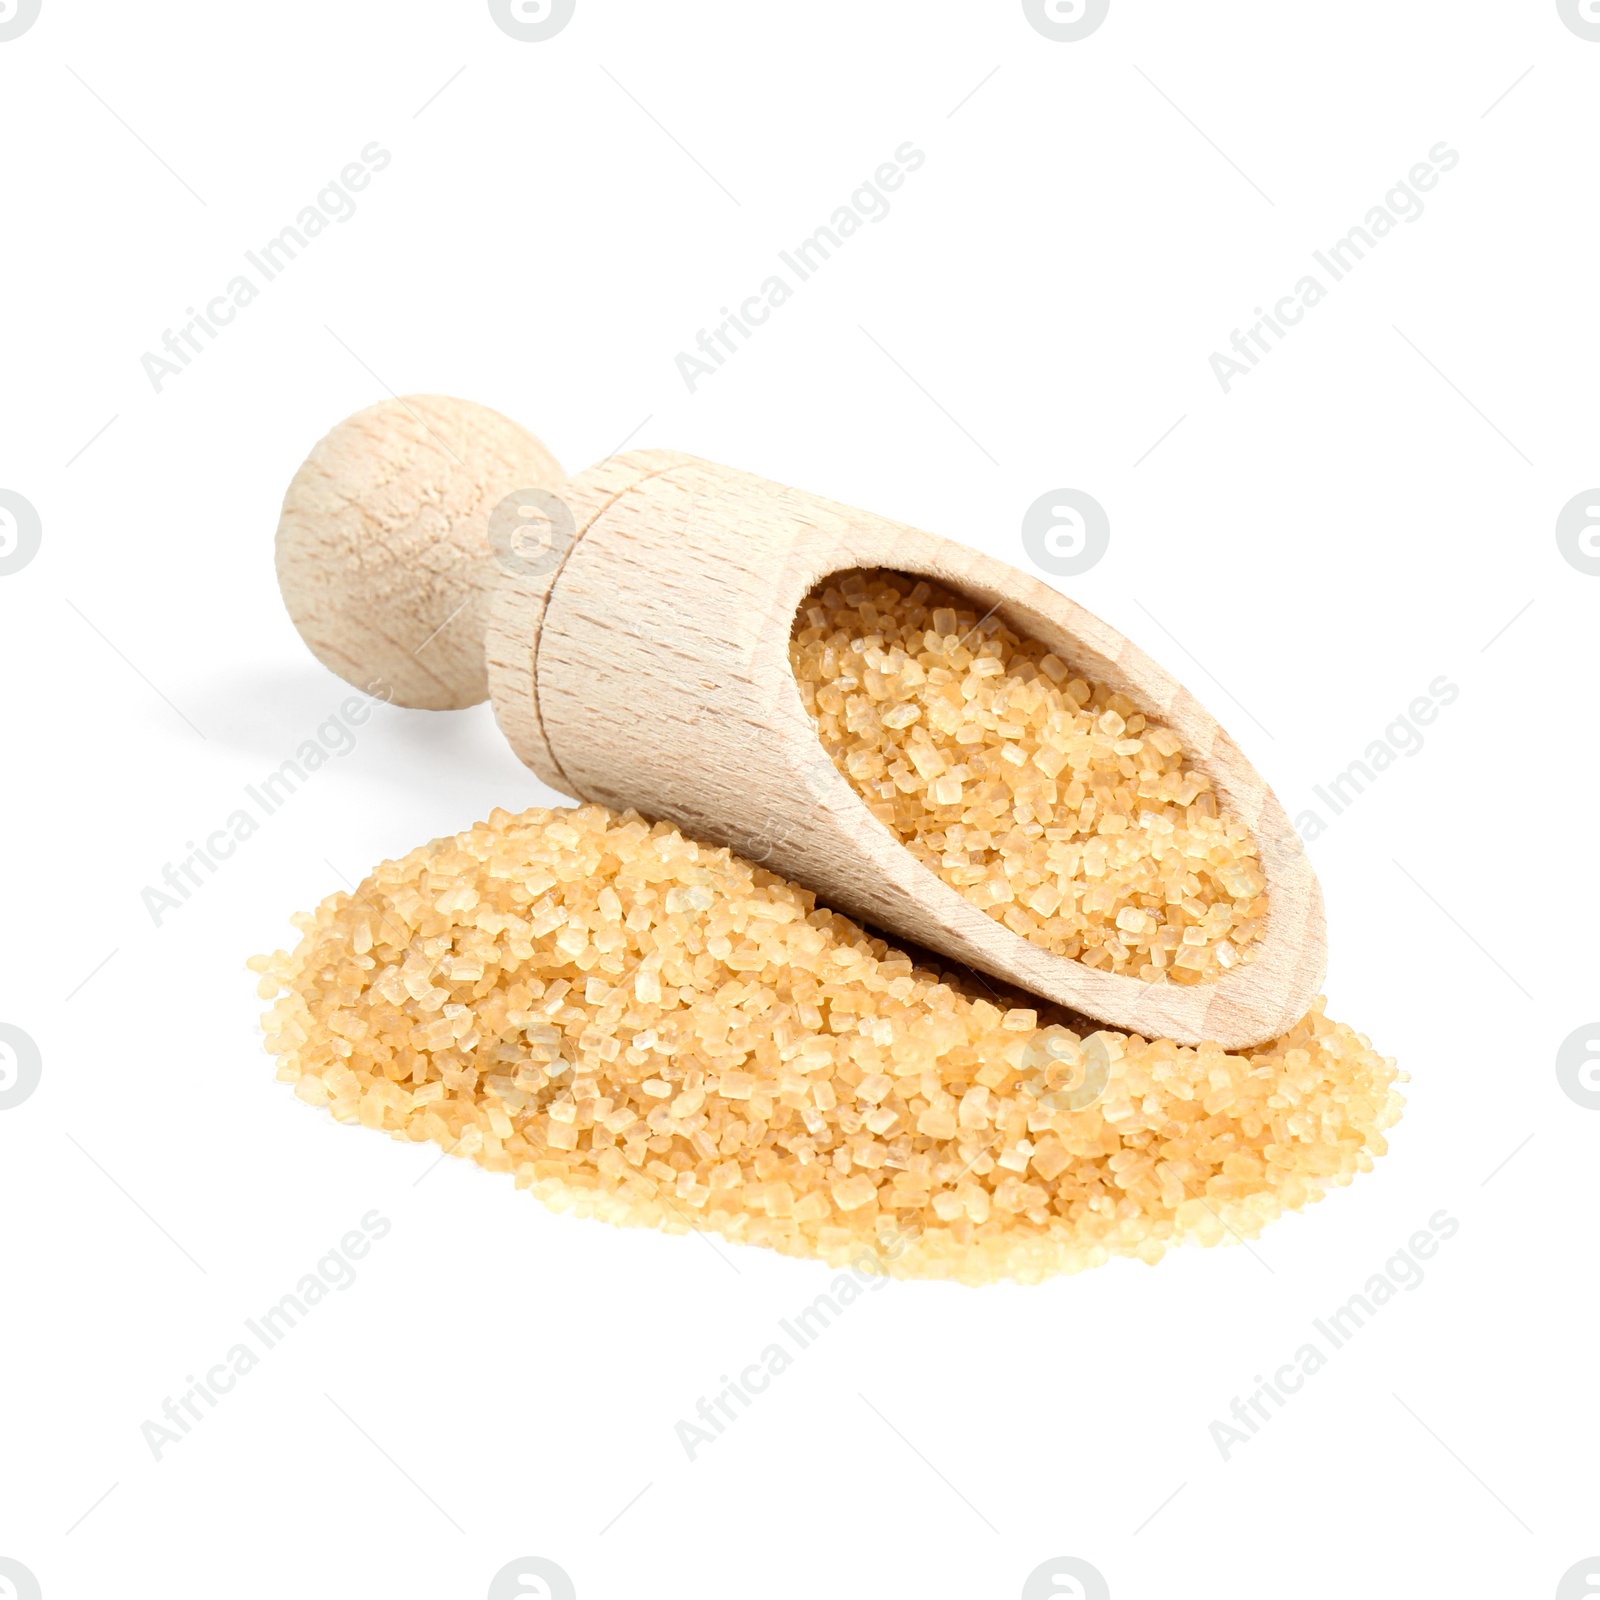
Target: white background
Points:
(1374, 506)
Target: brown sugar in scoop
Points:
(1053, 804)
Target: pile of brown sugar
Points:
(647, 1030)
(1049, 802)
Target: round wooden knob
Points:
(385, 551)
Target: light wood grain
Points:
(383, 552)
(649, 667)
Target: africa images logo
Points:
(16, 17)
(531, 21)
(1066, 21)
(20, 532)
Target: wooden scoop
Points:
(635, 623)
